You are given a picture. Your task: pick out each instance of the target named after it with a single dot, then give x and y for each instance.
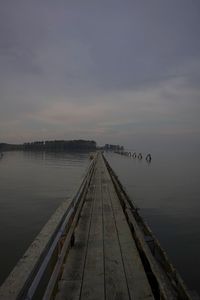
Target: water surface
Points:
(32, 185)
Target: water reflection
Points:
(32, 185)
(47, 155)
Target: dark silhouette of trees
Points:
(57, 145)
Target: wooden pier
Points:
(98, 248)
(104, 262)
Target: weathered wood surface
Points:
(134, 271)
(71, 282)
(104, 262)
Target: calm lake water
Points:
(32, 185)
(168, 193)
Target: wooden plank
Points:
(71, 280)
(52, 284)
(93, 278)
(115, 279)
(137, 281)
(166, 291)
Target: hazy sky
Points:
(113, 71)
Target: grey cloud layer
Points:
(98, 68)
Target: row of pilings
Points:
(134, 155)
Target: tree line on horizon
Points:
(54, 145)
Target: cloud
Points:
(101, 69)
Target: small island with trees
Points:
(55, 145)
(60, 145)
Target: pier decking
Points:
(104, 262)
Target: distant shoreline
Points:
(56, 145)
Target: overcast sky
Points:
(113, 71)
